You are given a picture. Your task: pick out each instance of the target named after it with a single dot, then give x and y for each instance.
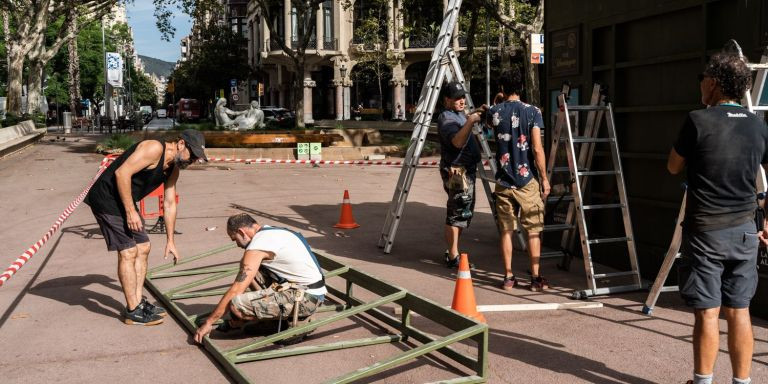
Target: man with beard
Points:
(138, 171)
(282, 271)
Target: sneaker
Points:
(539, 284)
(453, 262)
(509, 283)
(153, 309)
(141, 316)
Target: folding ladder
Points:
(444, 66)
(752, 102)
(586, 151)
(579, 171)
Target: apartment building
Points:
(333, 80)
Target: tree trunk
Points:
(74, 69)
(6, 36)
(15, 70)
(34, 85)
(298, 91)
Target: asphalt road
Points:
(60, 314)
(159, 124)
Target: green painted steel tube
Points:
(232, 353)
(200, 282)
(191, 295)
(286, 352)
(186, 260)
(408, 355)
(189, 272)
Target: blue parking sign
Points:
(233, 83)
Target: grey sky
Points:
(146, 35)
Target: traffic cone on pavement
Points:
(346, 221)
(464, 294)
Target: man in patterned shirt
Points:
(517, 127)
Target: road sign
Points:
(315, 151)
(233, 83)
(233, 90)
(235, 97)
(537, 58)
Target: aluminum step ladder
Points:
(586, 152)
(579, 172)
(443, 66)
(752, 103)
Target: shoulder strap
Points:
(303, 240)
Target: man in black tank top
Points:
(722, 148)
(140, 170)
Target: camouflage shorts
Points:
(266, 304)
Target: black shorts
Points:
(719, 267)
(460, 206)
(116, 232)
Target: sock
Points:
(702, 379)
(748, 380)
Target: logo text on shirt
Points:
(736, 114)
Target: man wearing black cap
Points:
(459, 156)
(141, 169)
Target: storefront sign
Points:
(564, 52)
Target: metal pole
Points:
(487, 60)
(104, 55)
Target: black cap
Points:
(455, 90)
(195, 142)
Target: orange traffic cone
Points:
(464, 294)
(346, 221)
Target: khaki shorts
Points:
(265, 304)
(526, 200)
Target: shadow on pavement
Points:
(72, 290)
(534, 351)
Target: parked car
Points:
(162, 113)
(278, 116)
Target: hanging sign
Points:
(114, 69)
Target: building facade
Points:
(336, 79)
(648, 53)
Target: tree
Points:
(221, 56)
(520, 18)
(28, 21)
(374, 61)
(305, 12)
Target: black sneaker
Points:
(151, 308)
(453, 263)
(140, 316)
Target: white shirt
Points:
(292, 260)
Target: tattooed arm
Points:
(249, 265)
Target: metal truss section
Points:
(191, 280)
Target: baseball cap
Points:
(455, 90)
(195, 142)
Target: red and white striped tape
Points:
(31, 251)
(319, 162)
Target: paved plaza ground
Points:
(60, 315)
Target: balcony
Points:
(331, 44)
(420, 41)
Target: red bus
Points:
(187, 110)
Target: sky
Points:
(146, 35)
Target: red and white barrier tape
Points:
(31, 251)
(319, 162)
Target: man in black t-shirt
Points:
(722, 148)
(137, 172)
(459, 155)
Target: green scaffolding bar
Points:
(462, 327)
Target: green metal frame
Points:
(462, 327)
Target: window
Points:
(328, 21)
